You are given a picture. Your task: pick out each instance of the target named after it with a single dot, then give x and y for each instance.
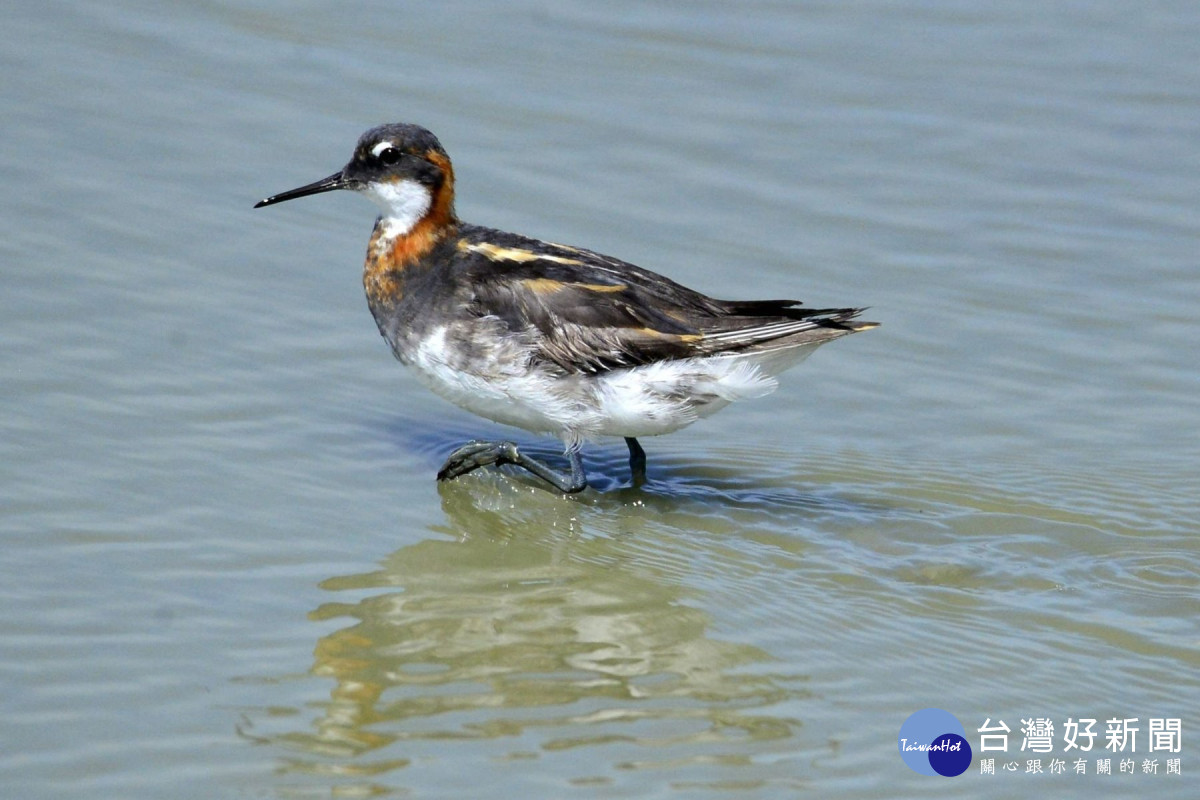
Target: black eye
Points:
(389, 156)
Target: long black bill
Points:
(334, 181)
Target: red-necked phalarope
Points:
(546, 337)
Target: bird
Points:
(547, 337)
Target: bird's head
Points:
(402, 168)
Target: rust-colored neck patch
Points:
(389, 256)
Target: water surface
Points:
(227, 568)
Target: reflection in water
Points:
(524, 627)
(674, 637)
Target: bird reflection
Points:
(514, 621)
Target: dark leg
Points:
(637, 461)
(473, 455)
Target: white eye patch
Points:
(379, 148)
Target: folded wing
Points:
(592, 313)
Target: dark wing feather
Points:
(594, 313)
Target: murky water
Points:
(228, 571)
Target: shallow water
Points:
(228, 570)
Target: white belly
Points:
(639, 401)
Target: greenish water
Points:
(228, 571)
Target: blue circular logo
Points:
(934, 742)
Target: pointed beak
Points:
(334, 181)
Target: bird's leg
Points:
(473, 455)
(637, 461)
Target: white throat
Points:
(404, 203)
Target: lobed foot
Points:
(473, 455)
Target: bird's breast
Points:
(383, 272)
(393, 257)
